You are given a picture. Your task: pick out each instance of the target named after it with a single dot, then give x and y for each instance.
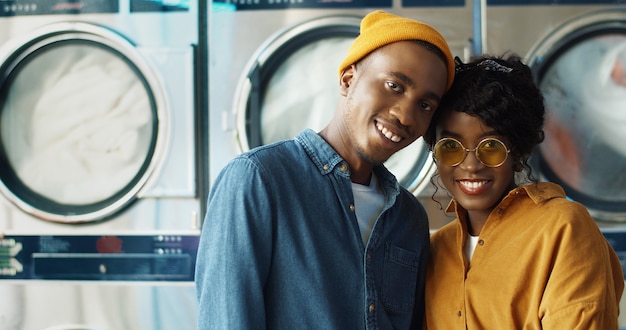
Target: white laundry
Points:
(90, 129)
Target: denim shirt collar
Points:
(321, 153)
(326, 159)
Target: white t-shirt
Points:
(368, 202)
(470, 246)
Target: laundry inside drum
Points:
(585, 126)
(77, 123)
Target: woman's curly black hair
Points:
(501, 91)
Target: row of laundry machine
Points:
(117, 115)
(101, 164)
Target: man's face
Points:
(391, 96)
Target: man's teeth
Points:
(388, 133)
(473, 184)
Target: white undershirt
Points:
(470, 246)
(368, 202)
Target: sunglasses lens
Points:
(449, 152)
(492, 152)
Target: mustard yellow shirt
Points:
(541, 262)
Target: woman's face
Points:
(475, 186)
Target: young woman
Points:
(519, 255)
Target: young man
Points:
(314, 232)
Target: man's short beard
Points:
(368, 158)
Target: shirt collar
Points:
(321, 153)
(326, 159)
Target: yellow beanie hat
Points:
(380, 28)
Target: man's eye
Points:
(426, 106)
(393, 86)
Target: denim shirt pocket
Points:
(399, 278)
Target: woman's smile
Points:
(473, 187)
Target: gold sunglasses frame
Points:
(474, 150)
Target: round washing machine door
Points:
(81, 122)
(291, 84)
(581, 70)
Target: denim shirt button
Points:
(352, 207)
(326, 167)
(372, 308)
(343, 167)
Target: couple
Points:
(314, 232)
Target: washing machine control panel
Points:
(617, 239)
(52, 7)
(289, 4)
(99, 257)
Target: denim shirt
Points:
(281, 248)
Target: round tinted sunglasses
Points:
(490, 152)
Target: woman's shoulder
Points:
(557, 212)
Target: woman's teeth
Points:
(472, 184)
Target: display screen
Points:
(283, 4)
(617, 239)
(433, 3)
(159, 5)
(51, 7)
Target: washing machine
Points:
(101, 180)
(577, 52)
(273, 72)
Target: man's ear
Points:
(346, 79)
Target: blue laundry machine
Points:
(272, 72)
(101, 180)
